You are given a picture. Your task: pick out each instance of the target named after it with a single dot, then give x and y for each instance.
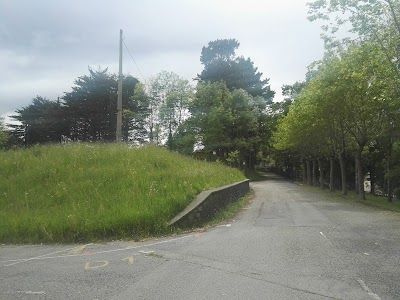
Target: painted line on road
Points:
(24, 293)
(368, 290)
(37, 257)
(324, 236)
(43, 257)
(73, 250)
(29, 292)
(225, 225)
(147, 252)
(24, 259)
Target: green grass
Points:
(371, 200)
(231, 210)
(91, 192)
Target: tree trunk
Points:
(356, 186)
(252, 161)
(304, 170)
(388, 165)
(308, 172)
(321, 174)
(343, 173)
(314, 166)
(151, 137)
(360, 174)
(331, 174)
(372, 180)
(389, 190)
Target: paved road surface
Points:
(287, 244)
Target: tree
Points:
(292, 92)
(221, 64)
(367, 20)
(209, 118)
(223, 122)
(349, 99)
(136, 115)
(91, 105)
(43, 121)
(3, 134)
(170, 96)
(360, 67)
(370, 21)
(302, 131)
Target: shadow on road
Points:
(264, 176)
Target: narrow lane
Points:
(288, 243)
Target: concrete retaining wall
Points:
(207, 203)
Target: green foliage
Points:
(220, 64)
(3, 134)
(233, 158)
(87, 113)
(43, 121)
(219, 50)
(89, 192)
(91, 106)
(377, 202)
(170, 96)
(350, 104)
(366, 20)
(223, 121)
(136, 116)
(292, 92)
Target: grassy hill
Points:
(89, 192)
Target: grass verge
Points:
(225, 215)
(91, 192)
(231, 210)
(352, 197)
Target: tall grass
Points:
(87, 192)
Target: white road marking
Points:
(226, 225)
(37, 257)
(321, 233)
(147, 252)
(42, 257)
(325, 237)
(367, 289)
(366, 253)
(30, 292)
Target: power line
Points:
(144, 78)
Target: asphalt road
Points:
(287, 243)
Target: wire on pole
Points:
(129, 52)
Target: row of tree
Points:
(349, 106)
(87, 113)
(226, 117)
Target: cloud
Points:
(45, 45)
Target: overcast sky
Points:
(46, 44)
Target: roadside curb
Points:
(208, 203)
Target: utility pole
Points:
(119, 102)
